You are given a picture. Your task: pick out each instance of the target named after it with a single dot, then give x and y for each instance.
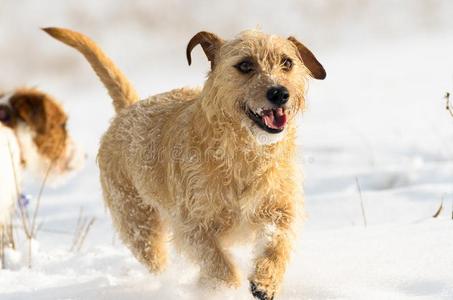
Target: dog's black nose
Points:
(278, 95)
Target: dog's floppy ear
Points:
(31, 109)
(309, 59)
(209, 42)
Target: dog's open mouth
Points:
(271, 120)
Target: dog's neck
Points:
(233, 158)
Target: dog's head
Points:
(40, 125)
(256, 80)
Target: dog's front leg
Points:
(215, 264)
(274, 246)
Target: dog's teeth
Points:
(279, 111)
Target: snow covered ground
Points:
(379, 117)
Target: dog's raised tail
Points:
(118, 86)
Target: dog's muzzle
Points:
(272, 120)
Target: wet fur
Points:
(190, 160)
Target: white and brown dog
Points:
(33, 137)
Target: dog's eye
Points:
(287, 64)
(245, 66)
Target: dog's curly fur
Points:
(193, 160)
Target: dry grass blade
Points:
(2, 248)
(23, 214)
(85, 233)
(28, 229)
(361, 201)
(29, 226)
(38, 199)
(447, 103)
(11, 240)
(33, 226)
(81, 231)
(38, 229)
(439, 210)
(78, 229)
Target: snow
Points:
(379, 117)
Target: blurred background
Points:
(156, 30)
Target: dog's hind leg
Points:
(138, 224)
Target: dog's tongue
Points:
(274, 118)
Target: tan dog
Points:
(214, 164)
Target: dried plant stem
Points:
(447, 103)
(11, 240)
(78, 229)
(2, 248)
(32, 225)
(439, 210)
(38, 199)
(361, 201)
(452, 209)
(85, 233)
(29, 226)
(16, 186)
(81, 231)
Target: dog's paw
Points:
(259, 293)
